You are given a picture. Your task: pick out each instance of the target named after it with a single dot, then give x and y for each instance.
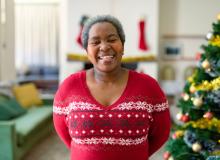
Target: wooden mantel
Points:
(83, 58)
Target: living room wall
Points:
(7, 65)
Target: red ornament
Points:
(174, 136)
(178, 116)
(185, 118)
(198, 56)
(166, 155)
(208, 115)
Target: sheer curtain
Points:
(36, 34)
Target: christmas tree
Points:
(197, 136)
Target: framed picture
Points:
(172, 50)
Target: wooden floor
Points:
(49, 149)
(53, 149)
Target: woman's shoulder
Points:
(72, 80)
(147, 83)
(74, 76)
(137, 76)
(68, 87)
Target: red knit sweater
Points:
(134, 127)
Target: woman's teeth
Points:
(106, 57)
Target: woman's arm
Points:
(159, 130)
(59, 120)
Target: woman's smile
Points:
(106, 59)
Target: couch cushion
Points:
(31, 122)
(27, 95)
(10, 108)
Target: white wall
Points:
(185, 19)
(188, 16)
(7, 62)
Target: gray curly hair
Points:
(104, 18)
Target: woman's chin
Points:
(107, 68)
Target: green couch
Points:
(20, 134)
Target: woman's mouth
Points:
(106, 59)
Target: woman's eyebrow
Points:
(97, 37)
(113, 35)
(94, 38)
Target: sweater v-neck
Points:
(116, 102)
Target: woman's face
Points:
(105, 48)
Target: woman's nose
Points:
(104, 46)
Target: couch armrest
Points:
(7, 140)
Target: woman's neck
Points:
(110, 77)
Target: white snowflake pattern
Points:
(142, 106)
(84, 106)
(111, 141)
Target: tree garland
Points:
(206, 85)
(204, 123)
(215, 41)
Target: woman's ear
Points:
(122, 50)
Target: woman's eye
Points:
(94, 42)
(112, 40)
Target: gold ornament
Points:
(185, 97)
(206, 64)
(197, 102)
(192, 89)
(170, 158)
(196, 147)
(218, 17)
(179, 133)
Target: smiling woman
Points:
(104, 43)
(109, 112)
(104, 48)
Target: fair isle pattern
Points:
(111, 141)
(135, 106)
(161, 107)
(142, 106)
(83, 106)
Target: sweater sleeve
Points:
(160, 126)
(59, 120)
(159, 131)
